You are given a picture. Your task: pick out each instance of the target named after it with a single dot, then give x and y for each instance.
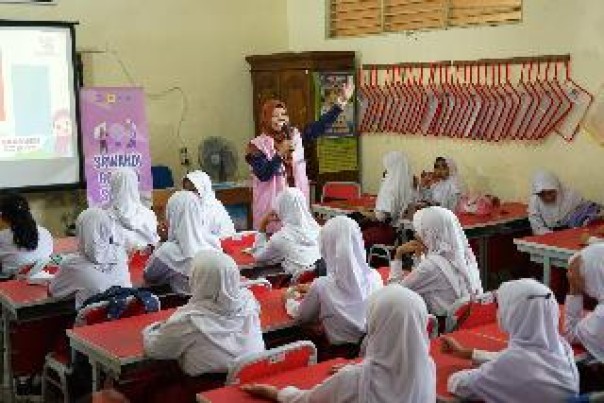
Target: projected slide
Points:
(36, 95)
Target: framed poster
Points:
(327, 87)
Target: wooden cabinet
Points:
(290, 77)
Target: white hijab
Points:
(225, 313)
(591, 328)
(529, 313)
(453, 185)
(212, 209)
(99, 241)
(396, 192)
(186, 233)
(448, 248)
(349, 277)
(127, 208)
(567, 200)
(299, 229)
(397, 366)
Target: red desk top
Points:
(364, 202)
(19, 294)
(303, 378)
(508, 212)
(568, 240)
(234, 248)
(122, 340)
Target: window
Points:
(364, 17)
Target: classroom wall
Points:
(197, 45)
(548, 27)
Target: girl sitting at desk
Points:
(22, 241)
(100, 263)
(215, 217)
(187, 235)
(443, 187)
(397, 366)
(554, 206)
(296, 245)
(537, 365)
(447, 270)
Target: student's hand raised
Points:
(267, 392)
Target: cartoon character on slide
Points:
(131, 129)
(102, 135)
(62, 131)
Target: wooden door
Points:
(265, 86)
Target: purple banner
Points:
(114, 130)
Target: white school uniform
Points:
(100, 263)
(397, 366)
(446, 193)
(12, 257)
(219, 323)
(170, 263)
(138, 223)
(448, 271)
(339, 300)
(588, 330)
(396, 192)
(545, 217)
(215, 216)
(296, 245)
(538, 364)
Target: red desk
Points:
(234, 247)
(509, 212)
(115, 345)
(555, 248)
(65, 245)
(333, 208)
(303, 378)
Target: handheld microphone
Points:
(286, 130)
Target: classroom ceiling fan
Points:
(218, 158)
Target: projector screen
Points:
(39, 145)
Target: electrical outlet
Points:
(184, 156)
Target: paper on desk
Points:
(40, 278)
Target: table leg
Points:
(96, 376)
(483, 258)
(8, 381)
(547, 268)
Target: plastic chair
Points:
(258, 287)
(468, 313)
(285, 358)
(57, 367)
(340, 191)
(381, 252)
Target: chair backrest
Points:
(285, 358)
(98, 312)
(340, 191)
(381, 253)
(304, 278)
(468, 313)
(258, 287)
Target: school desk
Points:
(330, 209)
(235, 247)
(555, 248)
(29, 313)
(114, 347)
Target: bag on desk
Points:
(481, 205)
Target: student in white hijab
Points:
(22, 241)
(447, 269)
(586, 276)
(397, 192)
(339, 300)
(296, 245)
(219, 323)
(139, 224)
(100, 263)
(538, 364)
(215, 217)
(550, 203)
(445, 188)
(397, 366)
(170, 263)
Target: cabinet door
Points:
(266, 86)
(295, 86)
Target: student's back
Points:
(22, 241)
